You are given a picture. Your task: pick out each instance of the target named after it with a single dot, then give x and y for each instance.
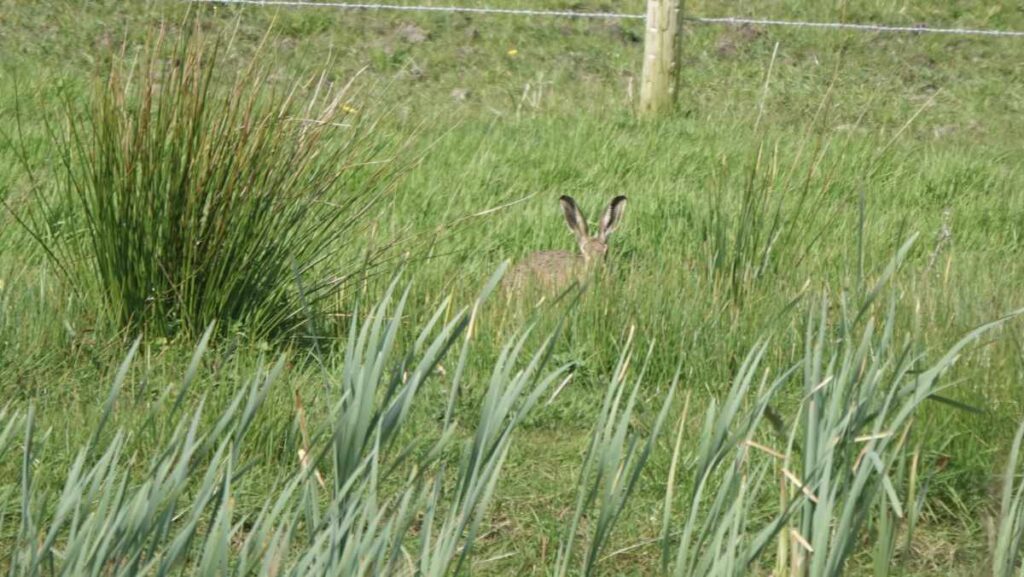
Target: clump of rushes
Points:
(207, 193)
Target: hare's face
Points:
(593, 248)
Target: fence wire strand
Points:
(447, 9)
(859, 27)
(729, 20)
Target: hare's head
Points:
(593, 248)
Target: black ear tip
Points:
(619, 199)
(566, 198)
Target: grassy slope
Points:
(554, 119)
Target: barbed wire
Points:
(921, 28)
(729, 20)
(448, 9)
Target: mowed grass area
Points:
(761, 196)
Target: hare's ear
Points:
(611, 217)
(574, 217)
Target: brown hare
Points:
(555, 269)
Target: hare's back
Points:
(552, 267)
(551, 260)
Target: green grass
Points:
(757, 198)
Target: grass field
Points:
(763, 259)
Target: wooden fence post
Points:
(661, 57)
